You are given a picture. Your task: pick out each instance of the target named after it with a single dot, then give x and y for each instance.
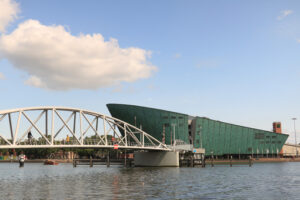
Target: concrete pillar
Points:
(156, 159)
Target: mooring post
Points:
(230, 161)
(91, 161)
(125, 159)
(212, 160)
(107, 160)
(74, 163)
(250, 161)
(192, 161)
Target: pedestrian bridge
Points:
(62, 127)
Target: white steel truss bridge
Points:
(62, 127)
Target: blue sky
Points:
(234, 61)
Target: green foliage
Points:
(37, 153)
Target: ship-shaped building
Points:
(218, 138)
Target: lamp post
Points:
(174, 134)
(295, 136)
(200, 135)
(135, 121)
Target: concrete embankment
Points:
(246, 161)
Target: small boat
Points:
(50, 162)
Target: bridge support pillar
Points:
(156, 159)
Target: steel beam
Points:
(46, 123)
(10, 126)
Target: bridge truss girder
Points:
(114, 133)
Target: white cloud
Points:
(35, 81)
(284, 14)
(2, 76)
(8, 13)
(57, 60)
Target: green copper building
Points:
(218, 138)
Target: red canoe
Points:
(50, 162)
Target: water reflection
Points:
(262, 181)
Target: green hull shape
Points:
(218, 138)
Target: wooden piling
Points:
(191, 161)
(108, 160)
(91, 161)
(125, 164)
(74, 163)
(203, 161)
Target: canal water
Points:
(261, 181)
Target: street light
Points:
(295, 135)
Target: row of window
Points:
(262, 136)
(268, 142)
(172, 117)
(168, 124)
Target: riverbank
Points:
(39, 161)
(208, 161)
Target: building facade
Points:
(218, 138)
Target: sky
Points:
(233, 61)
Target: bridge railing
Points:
(92, 142)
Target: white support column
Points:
(81, 133)
(17, 128)
(96, 123)
(105, 133)
(125, 135)
(114, 129)
(46, 123)
(74, 123)
(10, 126)
(52, 127)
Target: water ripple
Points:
(262, 181)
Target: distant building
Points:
(218, 138)
(291, 150)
